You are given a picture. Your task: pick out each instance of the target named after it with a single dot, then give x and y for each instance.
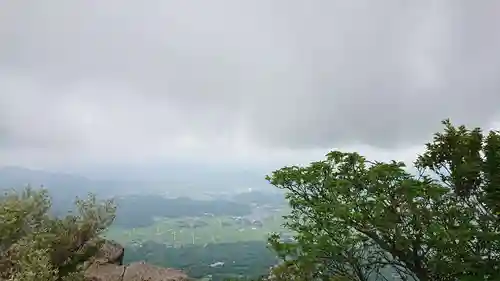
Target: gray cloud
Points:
(113, 76)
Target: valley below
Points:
(212, 239)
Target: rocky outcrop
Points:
(108, 266)
(111, 252)
(105, 272)
(143, 271)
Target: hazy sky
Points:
(228, 81)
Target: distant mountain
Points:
(178, 180)
(16, 176)
(169, 180)
(63, 188)
(60, 183)
(199, 177)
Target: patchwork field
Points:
(200, 230)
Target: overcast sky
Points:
(249, 82)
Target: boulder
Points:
(108, 266)
(111, 252)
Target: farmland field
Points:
(200, 230)
(193, 235)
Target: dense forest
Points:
(224, 260)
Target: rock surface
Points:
(143, 271)
(105, 272)
(111, 252)
(108, 266)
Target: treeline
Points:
(243, 259)
(139, 211)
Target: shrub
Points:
(36, 246)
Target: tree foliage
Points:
(250, 259)
(36, 246)
(361, 220)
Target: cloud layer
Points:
(247, 80)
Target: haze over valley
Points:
(204, 226)
(214, 125)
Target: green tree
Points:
(366, 220)
(36, 246)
